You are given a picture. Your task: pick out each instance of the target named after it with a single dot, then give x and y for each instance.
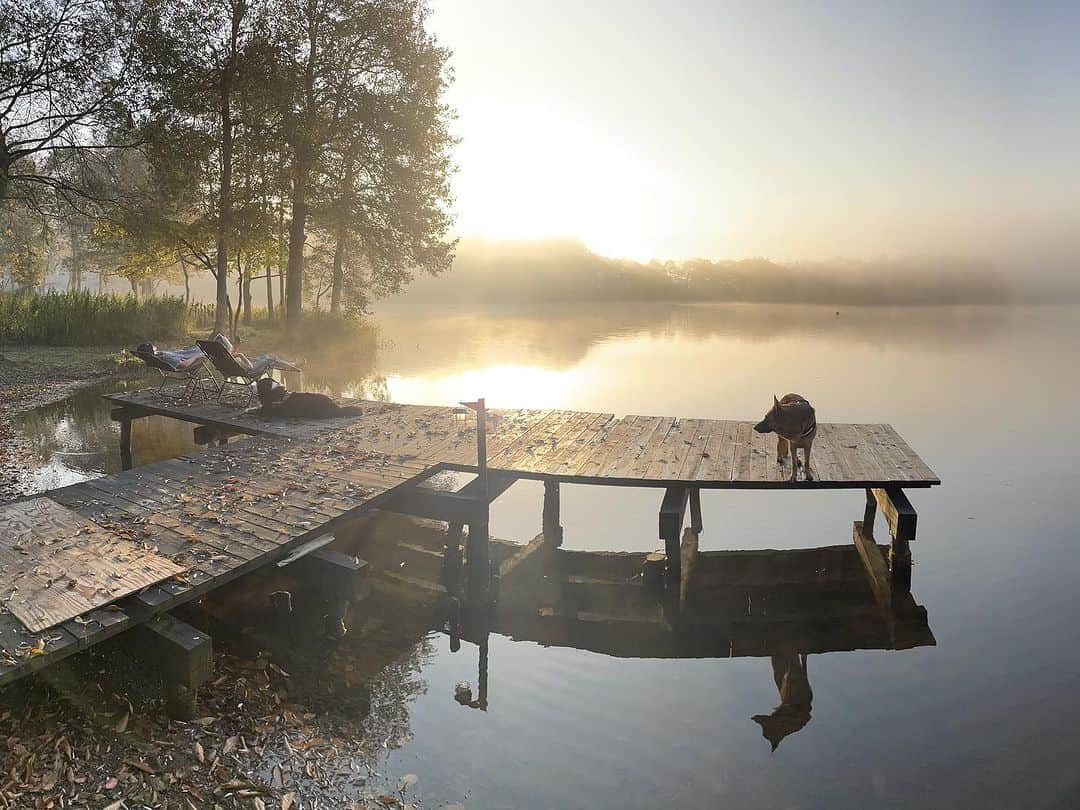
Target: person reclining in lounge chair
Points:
(236, 369)
(186, 365)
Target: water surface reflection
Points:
(979, 393)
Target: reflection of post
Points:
(463, 692)
(482, 675)
(125, 444)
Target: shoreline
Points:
(34, 376)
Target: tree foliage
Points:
(302, 141)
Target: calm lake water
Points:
(986, 718)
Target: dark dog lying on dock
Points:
(277, 402)
(794, 422)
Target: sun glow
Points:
(502, 386)
(531, 174)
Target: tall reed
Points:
(82, 318)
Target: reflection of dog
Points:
(793, 420)
(277, 402)
(789, 672)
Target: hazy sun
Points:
(526, 173)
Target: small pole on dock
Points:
(481, 446)
(477, 549)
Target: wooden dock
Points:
(589, 448)
(199, 521)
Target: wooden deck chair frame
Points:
(232, 373)
(192, 378)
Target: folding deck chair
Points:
(236, 370)
(183, 365)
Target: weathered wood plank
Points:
(59, 565)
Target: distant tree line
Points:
(563, 271)
(300, 144)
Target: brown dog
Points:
(793, 420)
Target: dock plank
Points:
(59, 565)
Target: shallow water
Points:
(987, 718)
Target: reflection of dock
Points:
(786, 606)
(280, 495)
(740, 603)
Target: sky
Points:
(795, 131)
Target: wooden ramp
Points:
(590, 448)
(211, 516)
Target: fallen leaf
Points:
(139, 765)
(287, 801)
(199, 753)
(122, 723)
(230, 745)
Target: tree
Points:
(24, 241)
(64, 81)
(193, 52)
(359, 86)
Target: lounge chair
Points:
(182, 365)
(236, 370)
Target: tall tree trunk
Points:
(339, 273)
(75, 268)
(266, 212)
(187, 279)
(224, 208)
(294, 272)
(221, 313)
(281, 254)
(269, 291)
(338, 276)
(246, 295)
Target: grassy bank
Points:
(89, 319)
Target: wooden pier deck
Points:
(591, 448)
(223, 512)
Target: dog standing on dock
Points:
(793, 421)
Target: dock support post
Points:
(451, 577)
(672, 514)
(341, 577)
(901, 518)
(695, 510)
(478, 556)
(688, 555)
(125, 443)
(553, 532)
(184, 656)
